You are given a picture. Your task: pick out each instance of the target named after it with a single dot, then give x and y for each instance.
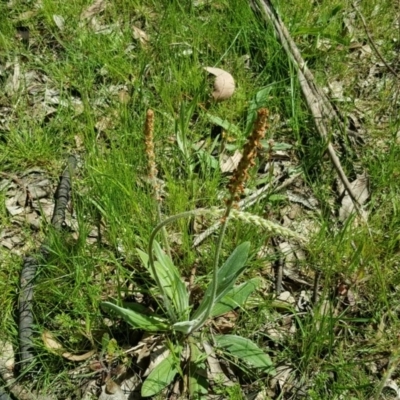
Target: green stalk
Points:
(163, 230)
(214, 282)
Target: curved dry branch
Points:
(31, 264)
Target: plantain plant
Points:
(180, 324)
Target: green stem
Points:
(214, 282)
(163, 231)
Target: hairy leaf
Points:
(235, 298)
(176, 286)
(161, 376)
(245, 350)
(198, 382)
(227, 276)
(138, 319)
(170, 279)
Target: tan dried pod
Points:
(224, 84)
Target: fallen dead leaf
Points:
(13, 83)
(216, 373)
(112, 391)
(26, 15)
(7, 359)
(140, 35)
(361, 192)
(230, 163)
(224, 84)
(56, 347)
(96, 8)
(390, 383)
(59, 21)
(282, 379)
(51, 343)
(78, 357)
(286, 297)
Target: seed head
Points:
(241, 174)
(149, 142)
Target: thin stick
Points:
(278, 267)
(372, 42)
(318, 103)
(31, 264)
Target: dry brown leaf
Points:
(27, 15)
(390, 383)
(56, 347)
(230, 163)
(216, 373)
(282, 379)
(262, 395)
(96, 8)
(7, 359)
(140, 35)
(13, 82)
(287, 298)
(360, 190)
(59, 21)
(112, 391)
(51, 343)
(225, 323)
(123, 96)
(78, 357)
(224, 84)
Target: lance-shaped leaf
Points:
(236, 297)
(227, 276)
(161, 376)
(245, 350)
(138, 317)
(170, 279)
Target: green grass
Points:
(331, 351)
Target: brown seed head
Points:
(149, 142)
(241, 174)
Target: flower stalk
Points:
(236, 187)
(151, 160)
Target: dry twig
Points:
(320, 106)
(372, 42)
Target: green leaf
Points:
(245, 350)
(138, 319)
(277, 146)
(223, 123)
(227, 276)
(236, 297)
(184, 326)
(161, 376)
(175, 285)
(170, 279)
(261, 99)
(198, 382)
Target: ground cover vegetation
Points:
(274, 284)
